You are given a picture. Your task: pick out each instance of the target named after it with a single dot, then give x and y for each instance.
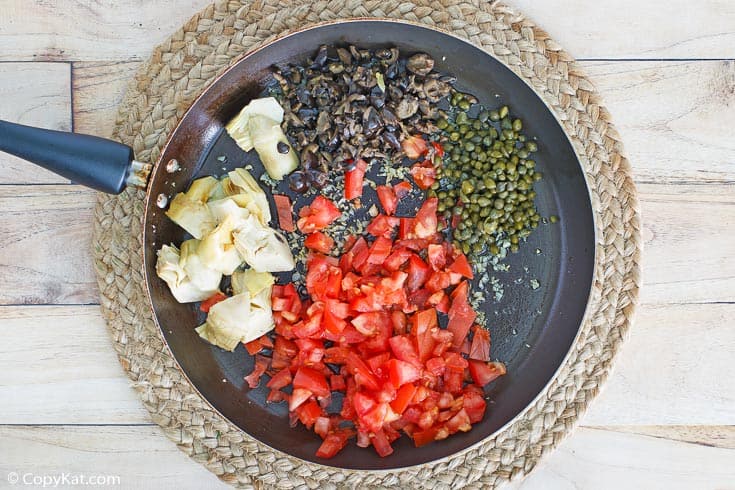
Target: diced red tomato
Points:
(379, 250)
(312, 380)
(437, 259)
(425, 222)
(388, 199)
(333, 443)
(461, 266)
(285, 213)
(319, 242)
(382, 225)
(480, 347)
(316, 216)
(403, 399)
(418, 272)
(405, 228)
(474, 404)
(424, 437)
(438, 148)
(261, 364)
(461, 315)
(402, 372)
(280, 380)
(402, 189)
(381, 444)
(403, 348)
(424, 174)
(485, 372)
(212, 300)
(354, 180)
(414, 147)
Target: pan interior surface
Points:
(546, 287)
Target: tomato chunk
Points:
(388, 199)
(285, 212)
(318, 215)
(354, 180)
(212, 300)
(312, 380)
(484, 372)
(319, 242)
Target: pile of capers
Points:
(486, 177)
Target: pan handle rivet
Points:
(172, 166)
(162, 201)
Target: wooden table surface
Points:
(666, 419)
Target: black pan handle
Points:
(98, 163)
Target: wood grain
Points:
(97, 88)
(605, 458)
(660, 377)
(62, 359)
(39, 30)
(594, 458)
(669, 139)
(141, 456)
(675, 118)
(45, 254)
(34, 94)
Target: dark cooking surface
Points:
(545, 320)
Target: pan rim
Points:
(149, 201)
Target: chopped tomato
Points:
(405, 228)
(285, 213)
(319, 242)
(261, 364)
(316, 216)
(333, 443)
(380, 250)
(402, 372)
(312, 380)
(308, 413)
(480, 347)
(382, 225)
(425, 222)
(414, 147)
(381, 444)
(418, 272)
(438, 148)
(437, 259)
(402, 189)
(403, 398)
(388, 199)
(212, 300)
(354, 180)
(484, 372)
(461, 315)
(424, 174)
(280, 380)
(461, 266)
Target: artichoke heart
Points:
(246, 192)
(217, 250)
(252, 281)
(169, 269)
(189, 209)
(264, 249)
(258, 126)
(241, 318)
(201, 276)
(223, 208)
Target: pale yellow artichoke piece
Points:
(189, 209)
(183, 289)
(217, 250)
(201, 276)
(223, 208)
(241, 318)
(262, 247)
(251, 195)
(258, 126)
(252, 281)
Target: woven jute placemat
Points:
(157, 98)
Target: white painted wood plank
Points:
(40, 30)
(633, 29)
(689, 235)
(591, 459)
(69, 372)
(58, 365)
(98, 87)
(45, 253)
(142, 457)
(34, 94)
(675, 118)
(671, 369)
(603, 458)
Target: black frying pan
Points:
(532, 330)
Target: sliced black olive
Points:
(321, 56)
(317, 178)
(282, 148)
(420, 64)
(298, 182)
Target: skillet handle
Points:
(98, 163)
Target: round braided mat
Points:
(157, 98)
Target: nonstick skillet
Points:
(532, 330)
